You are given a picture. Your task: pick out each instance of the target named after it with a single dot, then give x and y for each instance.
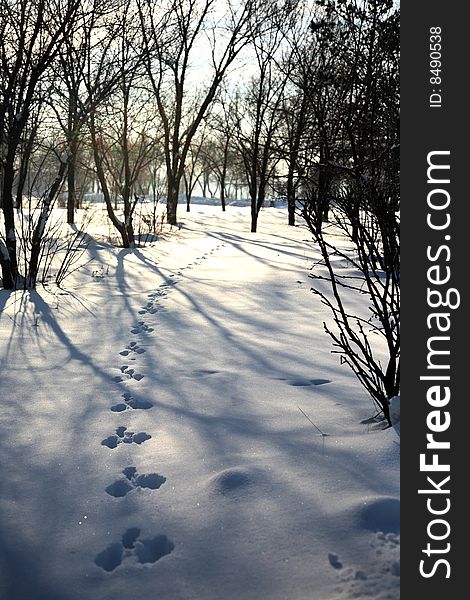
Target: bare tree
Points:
(361, 128)
(296, 122)
(86, 75)
(219, 152)
(27, 147)
(122, 145)
(258, 117)
(39, 227)
(31, 33)
(175, 33)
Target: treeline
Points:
(279, 97)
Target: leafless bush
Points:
(370, 257)
(57, 253)
(149, 220)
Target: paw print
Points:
(131, 403)
(127, 373)
(132, 481)
(132, 347)
(126, 437)
(145, 551)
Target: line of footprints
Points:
(132, 546)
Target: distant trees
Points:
(258, 118)
(195, 167)
(294, 121)
(122, 127)
(219, 154)
(84, 77)
(177, 32)
(87, 66)
(50, 66)
(31, 34)
(218, 163)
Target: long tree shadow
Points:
(43, 311)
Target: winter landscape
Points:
(204, 345)
(199, 309)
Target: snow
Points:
(150, 433)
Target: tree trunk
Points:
(9, 268)
(21, 180)
(257, 204)
(204, 184)
(294, 146)
(125, 229)
(391, 384)
(171, 208)
(222, 193)
(5, 263)
(223, 177)
(24, 167)
(71, 192)
(127, 234)
(291, 194)
(255, 208)
(72, 151)
(187, 192)
(172, 198)
(72, 198)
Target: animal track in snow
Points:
(305, 382)
(381, 576)
(127, 373)
(141, 327)
(334, 561)
(148, 309)
(203, 372)
(145, 551)
(126, 437)
(162, 290)
(149, 551)
(132, 347)
(132, 481)
(131, 403)
(110, 558)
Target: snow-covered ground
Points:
(151, 440)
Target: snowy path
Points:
(155, 447)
